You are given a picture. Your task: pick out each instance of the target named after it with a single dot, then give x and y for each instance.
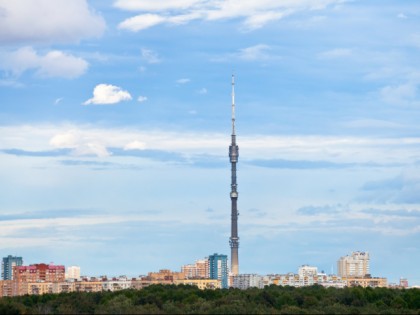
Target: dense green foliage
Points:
(170, 299)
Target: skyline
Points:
(354, 265)
(115, 122)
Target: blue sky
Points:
(115, 127)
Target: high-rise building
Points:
(306, 270)
(202, 268)
(218, 268)
(24, 275)
(233, 156)
(7, 266)
(39, 272)
(356, 265)
(198, 270)
(73, 272)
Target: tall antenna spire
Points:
(233, 104)
(233, 155)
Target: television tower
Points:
(233, 155)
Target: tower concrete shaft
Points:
(233, 155)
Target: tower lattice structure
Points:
(233, 155)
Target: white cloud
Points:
(402, 16)
(82, 143)
(108, 94)
(259, 20)
(141, 99)
(141, 22)
(183, 81)
(202, 91)
(48, 21)
(150, 56)
(153, 5)
(256, 52)
(53, 64)
(404, 94)
(65, 140)
(59, 64)
(338, 149)
(135, 145)
(184, 18)
(11, 227)
(256, 14)
(147, 20)
(95, 149)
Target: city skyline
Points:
(213, 266)
(208, 273)
(115, 117)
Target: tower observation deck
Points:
(233, 156)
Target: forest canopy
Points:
(184, 299)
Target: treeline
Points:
(182, 299)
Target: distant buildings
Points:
(116, 284)
(208, 273)
(165, 275)
(6, 288)
(296, 280)
(212, 270)
(245, 281)
(34, 279)
(218, 268)
(198, 270)
(306, 270)
(354, 265)
(366, 281)
(40, 279)
(7, 266)
(73, 272)
(403, 283)
(201, 283)
(39, 272)
(353, 271)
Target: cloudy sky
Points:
(115, 124)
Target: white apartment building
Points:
(306, 270)
(116, 284)
(294, 280)
(356, 265)
(245, 281)
(73, 272)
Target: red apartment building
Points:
(37, 273)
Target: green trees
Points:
(183, 299)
